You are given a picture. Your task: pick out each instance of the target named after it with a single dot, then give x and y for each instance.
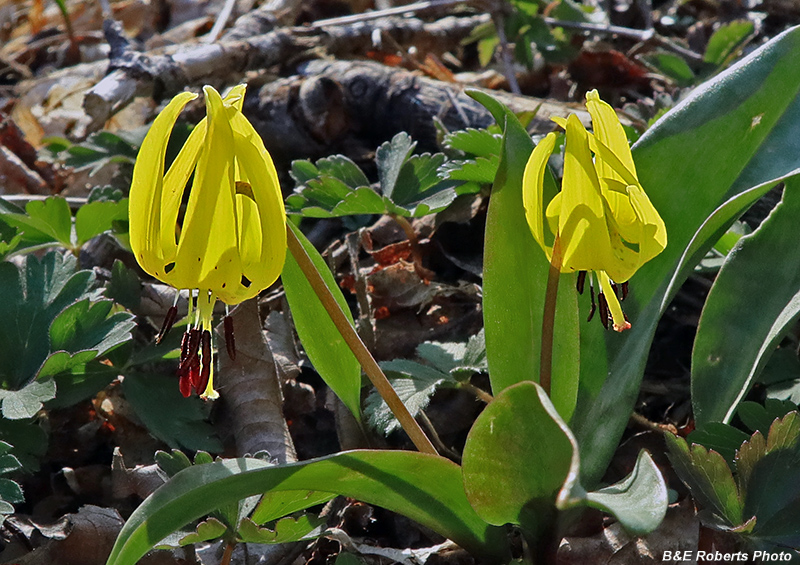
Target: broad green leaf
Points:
(773, 488)
(48, 306)
(639, 501)
(722, 438)
(699, 185)
(514, 279)
(475, 142)
(90, 325)
(177, 421)
(709, 479)
(27, 401)
(322, 342)
(425, 488)
(79, 382)
(42, 221)
(285, 530)
(29, 441)
(10, 491)
(414, 383)
(726, 39)
(409, 184)
(124, 288)
(172, 463)
(759, 417)
(734, 342)
(390, 157)
(206, 530)
(519, 458)
(94, 218)
(671, 66)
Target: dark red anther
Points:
(185, 345)
(624, 290)
(205, 371)
(194, 374)
(581, 281)
(185, 385)
(169, 320)
(230, 340)
(191, 350)
(594, 305)
(603, 304)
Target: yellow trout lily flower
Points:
(231, 242)
(604, 222)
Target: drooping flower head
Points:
(231, 242)
(602, 217)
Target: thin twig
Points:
(365, 358)
(642, 35)
(424, 274)
(377, 14)
(505, 53)
(426, 422)
(222, 20)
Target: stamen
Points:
(594, 305)
(624, 290)
(230, 340)
(581, 281)
(169, 320)
(205, 371)
(603, 303)
(191, 354)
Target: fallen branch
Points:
(146, 74)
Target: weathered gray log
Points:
(164, 74)
(351, 106)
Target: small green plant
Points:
(758, 495)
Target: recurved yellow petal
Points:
(533, 189)
(146, 208)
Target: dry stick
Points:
(377, 14)
(549, 317)
(365, 358)
(423, 273)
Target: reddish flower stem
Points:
(549, 317)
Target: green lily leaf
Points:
(521, 464)
(519, 458)
(639, 501)
(734, 343)
(425, 488)
(322, 342)
(755, 106)
(513, 312)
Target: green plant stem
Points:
(365, 358)
(549, 317)
(226, 556)
(479, 393)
